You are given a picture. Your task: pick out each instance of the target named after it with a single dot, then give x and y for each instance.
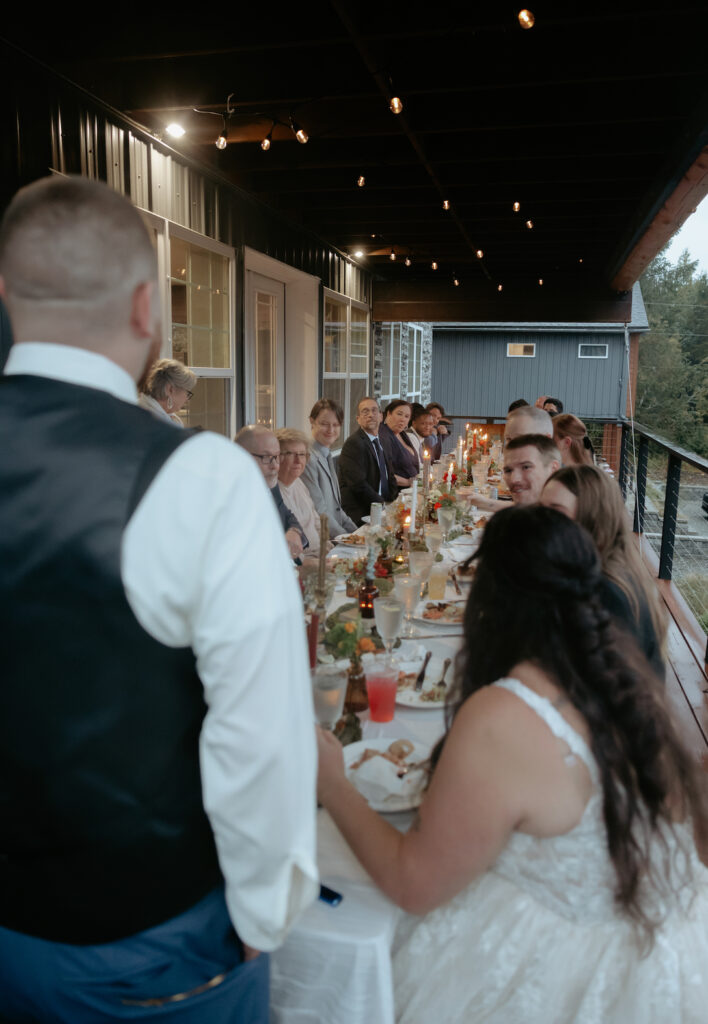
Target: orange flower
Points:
(350, 627)
(366, 644)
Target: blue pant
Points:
(43, 981)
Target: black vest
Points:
(102, 828)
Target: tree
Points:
(672, 380)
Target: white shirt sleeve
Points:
(205, 564)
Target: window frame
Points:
(593, 344)
(347, 374)
(388, 394)
(415, 364)
(520, 355)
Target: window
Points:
(199, 318)
(592, 351)
(346, 355)
(390, 362)
(415, 362)
(525, 350)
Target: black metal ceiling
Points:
(587, 120)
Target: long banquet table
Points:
(335, 966)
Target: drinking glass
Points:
(479, 476)
(381, 688)
(329, 685)
(433, 539)
(388, 614)
(446, 518)
(437, 582)
(421, 562)
(407, 589)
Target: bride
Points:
(552, 871)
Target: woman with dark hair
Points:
(320, 474)
(555, 856)
(571, 437)
(594, 500)
(394, 442)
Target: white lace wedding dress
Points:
(537, 939)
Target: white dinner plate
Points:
(366, 519)
(420, 620)
(410, 698)
(343, 539)
(412, 785)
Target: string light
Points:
(408, 261)
(580, 260)
(446, 204)
(456, 282)
(392, 257)
(499, 287)
(480, 254)
(222, 139)
(526, 19)
(517, 207)
(361, 181)
(540, 280)
(175, 130)
(529, 224)
(299, 133)
(266, 142)
(395, 106)
(434, 265)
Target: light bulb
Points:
(529, 224)
(580, 260)
(499, 287)
(392, 257)
(480, 254)
(301, 135)
(221, 142)
(517, 207)
(446, 204)
(456, 282)
(358, 254)
(526, 19)
(540, 280)
(361, 181)
(265, 144)
(408, 261)
(434, 265)
(395, 106)
(175, 130)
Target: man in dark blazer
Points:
(365, 473)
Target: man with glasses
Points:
(365, 473)
(263, 445)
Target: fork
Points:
(446, 665)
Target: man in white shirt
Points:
(147, 810)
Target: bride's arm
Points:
(475, 800)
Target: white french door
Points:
(265, 351)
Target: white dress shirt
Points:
(205, 564)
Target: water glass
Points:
(446, 518)
(421, 562)
(375, 514)
(388, 614)
(437, 582)
(407, 589)
(433, 539)
(329, 686)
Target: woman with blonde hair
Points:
(168, 387)
(294, 456)
(571, 437)
(594, 500)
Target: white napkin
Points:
(378, 781)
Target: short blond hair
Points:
(168, 371)
(289, 435)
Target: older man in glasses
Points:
(264, 446)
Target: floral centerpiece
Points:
(382, 540)
(344, 640)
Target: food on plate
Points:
(348, 729)
(436, 694)
(401, 748)
(397, 759)
(480, 523)
(406, 680)
(354, 538)
(444, 611)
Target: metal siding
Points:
(472, 373)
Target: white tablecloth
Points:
(335, 966)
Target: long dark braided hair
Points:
(535, 597)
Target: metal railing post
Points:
(623, 467)
(668, 533)
(641, 485)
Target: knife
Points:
(453, 577)
(421, 675)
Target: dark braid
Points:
(536, 597)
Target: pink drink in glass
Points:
(381, 686)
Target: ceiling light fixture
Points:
(395, 106)
(359, 253)
(299, 133)
(517, 207)
(529, 223)
(361, 181)
(408, 261)
(175, 130)
(480, 254)
(446, 204)
(268, 140)
(526, 19)
(392, 257)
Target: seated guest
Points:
(263, 445)
(421, 433)
(553, 406)
(519, 403)
(529, 460)
(365, 474)
(571, 437)
(401, 453)
(168, 388)
(320, 475)
(294, 455)
(440, 429)
(527, 419)
(594, 500)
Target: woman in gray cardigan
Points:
(319, 475)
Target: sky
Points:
(694, 237)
